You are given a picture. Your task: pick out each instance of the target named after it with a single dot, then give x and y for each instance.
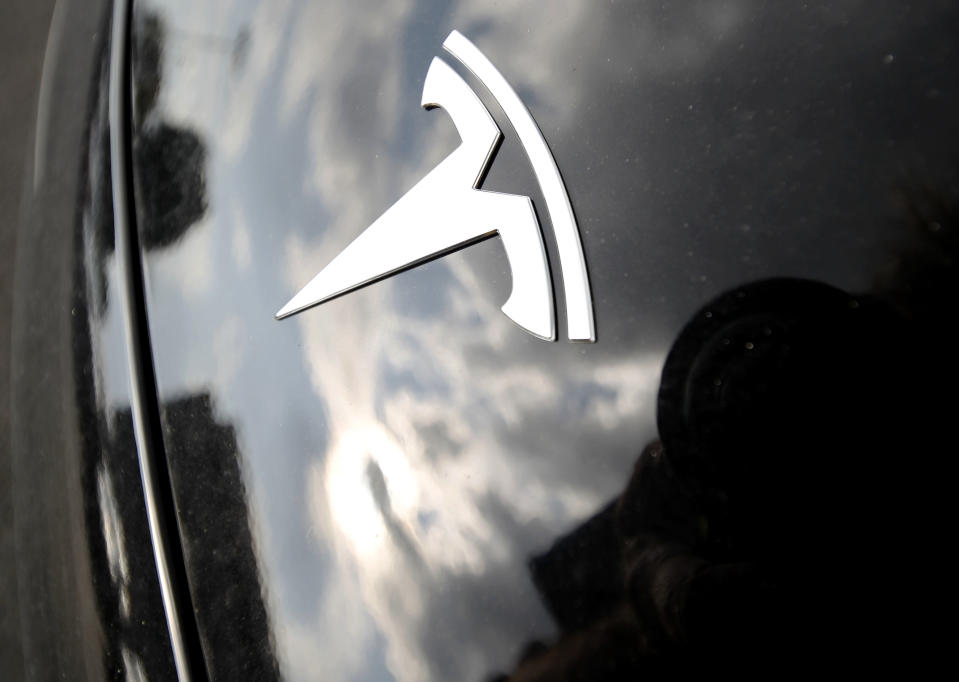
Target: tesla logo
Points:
(447, 210)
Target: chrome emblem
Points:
(447, 210)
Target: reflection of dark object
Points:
(922, 278)
(131, 628)
(922, 282)
(690, 600)
(224, 579)
(579, 577)
(170, 162)
(764, 526)
(171, 183)
(761, 368)
(381, 495)
(241, 47)
(783, 407)
(779, 385)
(149, 36)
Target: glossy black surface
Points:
(402, 484)
(86, 601)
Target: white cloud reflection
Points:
(452, 445)
(446, 405)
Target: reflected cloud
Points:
(114, 539)
(242, 254)
(191, 268)
(133, 667)
(451, 407)
(408, 448)
(361, 505)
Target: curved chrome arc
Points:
(138, 401)
(579, 304)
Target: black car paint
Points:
(704, 146)
(87, 602)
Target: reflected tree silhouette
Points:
(204, 460)
(171, 181)
(170, 161)
(783, 517)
